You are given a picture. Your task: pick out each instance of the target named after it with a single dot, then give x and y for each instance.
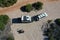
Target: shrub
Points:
(54, 30)
(57, 21)
(28, 7)
(52, 26)
(10, 38)
(3, 21)
(7, 3)
(4, 18)
(51, 38)
(49, 21)
(37, 5)
(2, 26)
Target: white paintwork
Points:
(42, 15)
(22, 18)
(28, 18)
(45, 14)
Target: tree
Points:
(3, 21)
(37, 5)
(2, 26)
(7, 3)
(10, 38)
(4, 18)
(28, 7)
(57, 21)
(54, 30)
(51, 38)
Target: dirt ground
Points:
(32, 30)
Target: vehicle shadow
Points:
(16, 20)
(23, 8)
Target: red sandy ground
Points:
(16, 6)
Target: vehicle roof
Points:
(25, 18)
(42, 15)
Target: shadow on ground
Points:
(16, 20)
(23, 9)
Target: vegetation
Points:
(49, 21)
(37, 5)
(53, 32)
(2, 26)
(10, 38)
(7, 3)
(57, 21)
(3, 21)
(29, 7)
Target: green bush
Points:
(51, 38)
(54, 30)
(57, 21)
(3, 21)
(10, 38)
(7, 3)
(2, 26)
(28, 7)
(37, 5)
(4, 18)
